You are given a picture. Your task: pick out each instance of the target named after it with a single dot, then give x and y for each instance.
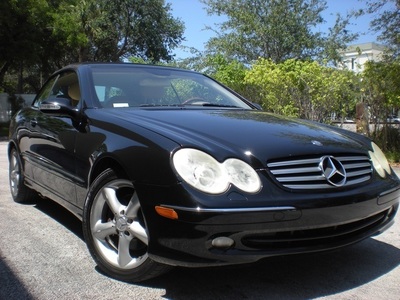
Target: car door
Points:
(49, 150)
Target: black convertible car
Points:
(166, 167)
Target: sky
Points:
(195, 18)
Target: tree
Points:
(104, 30)
(387, 22)
(338, 38)
(274, 87)
(381, 86)
(40, 36)
(382, 94)
(275, 29)
(24, 37)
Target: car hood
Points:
(243, 133)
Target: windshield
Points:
(146, 86)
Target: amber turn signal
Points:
(167, 212)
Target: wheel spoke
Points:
(14, 177)
(133, 207)
(13, 162)
(112, 200)
(102, 230)
(124, 256)
(14, 174)
(139, 232)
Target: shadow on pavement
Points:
(61, 215)
(291, 277)
(10, 285)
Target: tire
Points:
(19, 191)
(115, 232)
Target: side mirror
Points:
(58, 106)
(258, 106)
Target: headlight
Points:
(379, 161)
(206, 174)
(242, 175)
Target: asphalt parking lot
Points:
(43, 256)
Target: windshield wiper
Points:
(182, 105)
(158, 105)
(219, 105)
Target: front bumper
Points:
(209, 237)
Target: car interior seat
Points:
(74, 93)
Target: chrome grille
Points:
(308, 174)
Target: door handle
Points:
(34, 122)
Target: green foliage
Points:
(381, 90)
(138, 60)
(388, 138)
(103, 30)
(141, 60)
(22, 26)
(40, 36)
(303, 89)
(24, 36)
(275, 29)
(393, 156)
(229, 72)
(381, 87)
(338, 38)
(386, 22)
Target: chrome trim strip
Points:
(393, 190)
(351, 181)
(308, 186)
(294, 162)
(358, 173)
(360, 165)
(229, 210)
(350, 158)
(301, 178)
(296, 170)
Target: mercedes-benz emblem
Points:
(333, 171)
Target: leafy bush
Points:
(3, 130)
(388, 138)
(304, 89)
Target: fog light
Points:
(222, 242)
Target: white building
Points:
(355, 56)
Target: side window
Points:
(65, 85)
(45, 92)
(105, 93)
